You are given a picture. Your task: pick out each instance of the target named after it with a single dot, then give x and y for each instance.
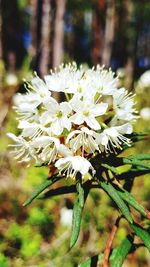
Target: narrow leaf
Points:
(58, 191)
(80, 191)
(127, 197)
(119, 255)
(135, 137)
(76, 221)
(113, 193)
(111, 168)
(142, 233)
(140, 156)
(136, 163)
(76, 218)
(41, 188)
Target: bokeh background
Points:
(37, 35)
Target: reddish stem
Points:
(147, 214)
(108, 247)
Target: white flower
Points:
(30, 130)
(57, 116)
(95, 118)
(66, 79)
(23, 151)
(103, 80)
(87, 111)
(113, 137)
(46, 148)
(70, 166)
(40, 87)
(123, 105)
(64, 151)
(82, 138)
(26, 106)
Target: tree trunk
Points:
(131, 55)
(109, 33)
(58, 45)
(45, 37)
(41, 36)
(97, 29)
(1, 51)
(35, 35)
(1, 56)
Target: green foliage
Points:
(76, 220)
(30, 246)
(119, 255)
(40, 189)
(127, 197)
(113, 193)
(3, 261)
(37, 217)
(23, 236)
(142, 233)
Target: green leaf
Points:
(140, 156)
(127, 197)
(111, 168)
(41, 188)
(135, 162)
(113, 193)
(76, 218)
(58, 191)
(80, 191)
(76, 221)
(142, 233)
(92, 261)
(135, 137)
(118, 256)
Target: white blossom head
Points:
(94, 117)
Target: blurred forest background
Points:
(38, 35)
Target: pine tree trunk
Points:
(97, 30)
(131, 55)
(40, 32)
(1, 51)
(1, 54)
(109, 33)
(58, 45)
(34, 33)
(45, 37)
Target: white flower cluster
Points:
(95, 118)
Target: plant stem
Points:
(108, 247)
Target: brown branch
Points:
(108, 247)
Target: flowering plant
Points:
(81, 138)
